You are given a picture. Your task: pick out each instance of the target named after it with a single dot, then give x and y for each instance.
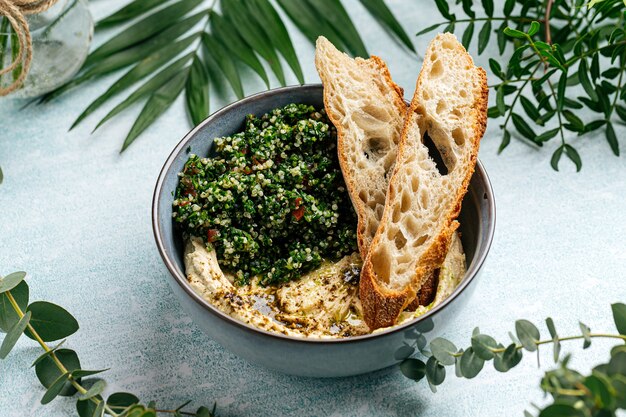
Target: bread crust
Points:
(381, 307)
(364, 239)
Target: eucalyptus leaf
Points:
(483, 346)
(51, 321)
(86, 408)
(528, 334)
(383, 15)
(122, 399)
(48, 353)
(203, 412)
(617, 364)
(96, 389)
(81, 373)
(99, 411)
(11, 281)
(586, 334)
(600, 389)
(403, 352)
(55, 388)
(413, 369)
(47, 371)
(560, 410)
(619, 317)
(512, 356)
(13, 335)
(443, 350)
(8, 315)
(471, 364)
(158, 102)
(435, 372)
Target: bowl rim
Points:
(181, 280)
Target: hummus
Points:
(321, 304)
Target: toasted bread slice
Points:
(368, 110)
(450, 106)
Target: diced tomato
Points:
(244, 151)
(298, 202)
(298, 213)
(247, 170)
(211, 235)
(184, 203)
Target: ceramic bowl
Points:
(301, 356)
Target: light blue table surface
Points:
(75, 214)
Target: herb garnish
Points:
(272, 201)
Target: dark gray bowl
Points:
(308, 357)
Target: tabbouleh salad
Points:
(272, 201)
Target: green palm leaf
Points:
(145, 67)
(309, 22)
(148, 87)
(144, 29)
(129, 56)
(197, 92)
(225, 63)
(336, 17)
(246, 32)
(229, 38)
(236, 12)
(158, 102)
(274, 28)
(381, 12)
(132, 10)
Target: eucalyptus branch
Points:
(58, 369)
(604, 390)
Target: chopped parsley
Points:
(272, 201)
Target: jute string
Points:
(15, 11)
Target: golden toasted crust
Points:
(382, 307)
(363, 238)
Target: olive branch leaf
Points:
(564, 55)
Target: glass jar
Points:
(61, 37)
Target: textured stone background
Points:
(75, 214)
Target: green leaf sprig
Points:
(601, 393)
(59, 369)
(565, 56)
(188, 48)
